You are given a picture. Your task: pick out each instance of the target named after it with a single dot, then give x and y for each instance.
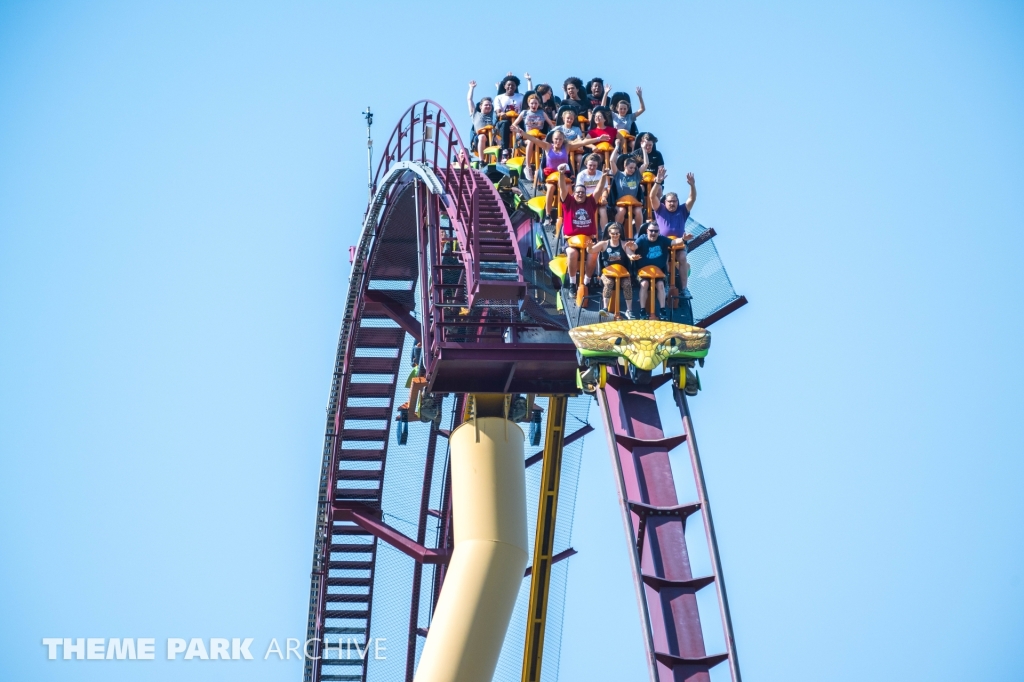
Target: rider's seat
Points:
(651, 273)
(552, 179)
(580, 242)
(491, 149)
(516, 162)
(628, 202)
(618, 273)
(627, 140)
(606, 148)
(537, 154)
(648, 179)
(538, 206)
(673, 290)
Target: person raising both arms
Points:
(482, 114)
(671, 218)
(613, 251)
(579, 217)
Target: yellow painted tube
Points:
(489, 559)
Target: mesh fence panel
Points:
(709, 283)
(510, 663)
(401, 500)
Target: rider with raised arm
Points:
(482, 114)
(579, 217)
(623, 116)
(557, 152)
(671, 217)
(508, 99)
(627, 182)
(589, 177)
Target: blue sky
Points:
(179, 183)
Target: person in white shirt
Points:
(508, 99)
(590, 179)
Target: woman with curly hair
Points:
(508, 99)
(575, 97)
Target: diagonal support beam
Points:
(571, 438)
(561, 556)
(396, 312)
(368, 521)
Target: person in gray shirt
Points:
(482, 114)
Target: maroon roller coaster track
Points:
(440, 260)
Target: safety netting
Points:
(406, 475)
(709, 283)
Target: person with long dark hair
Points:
(613, 251)
(601, 124)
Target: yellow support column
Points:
(543, 545)
(489, 559)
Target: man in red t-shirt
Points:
(579, 216)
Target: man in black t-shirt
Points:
(653, 249)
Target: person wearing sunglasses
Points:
(652, 248)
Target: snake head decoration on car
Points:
(644, 343)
